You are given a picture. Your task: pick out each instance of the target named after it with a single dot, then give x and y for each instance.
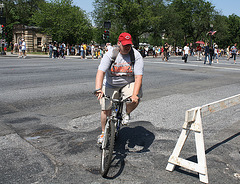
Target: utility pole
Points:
(211, 33)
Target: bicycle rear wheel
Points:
(107, 147)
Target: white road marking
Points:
(187, 64)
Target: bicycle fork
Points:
(119, 116)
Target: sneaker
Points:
(100, 138)
(126, 118)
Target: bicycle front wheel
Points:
(107, 147)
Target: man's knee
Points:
(106, 112)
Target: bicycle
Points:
(112, 127)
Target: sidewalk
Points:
(8, 54)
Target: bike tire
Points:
(107, 148)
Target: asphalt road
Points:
(50, 122)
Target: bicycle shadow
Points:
(132, 139)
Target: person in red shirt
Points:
(199, 53)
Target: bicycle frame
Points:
(116, 116)
(117, 109)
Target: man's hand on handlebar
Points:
(134, 98)
(98, 93)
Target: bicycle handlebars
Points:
(117, 100)
(114, 100)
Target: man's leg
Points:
(106, 104)
(104, 115)
(127, 92)
(186, 56)
(131, 106)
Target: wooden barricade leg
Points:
(201, 166)
(201, 157)
(176, 152)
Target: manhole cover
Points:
(187, 69)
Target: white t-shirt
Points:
(23, 45)
(123, 71)
(186, 49)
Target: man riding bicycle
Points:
(119, 72)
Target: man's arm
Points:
(137, 87)
(98, 84)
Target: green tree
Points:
(222, 36)
(194, 18)
(18, 12)
(173, 28)
(134, 16)
(233, 29)
(63, 21)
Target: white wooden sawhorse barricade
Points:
(193, 122)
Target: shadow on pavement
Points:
(130, 140)
(194, 158)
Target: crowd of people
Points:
(201, 51)
(59, 50)
(19, 48)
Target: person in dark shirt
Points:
(211, 52)
(165, 52)
(207, 54)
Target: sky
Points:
(227, 7)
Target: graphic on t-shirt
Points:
(119, 69)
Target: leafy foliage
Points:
(234, 29)
(19, 12)
(152, 21)
(194, 18)
(63, 21)
(133, 16)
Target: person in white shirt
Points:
(92, 51)
(24, 48)
(186, 52)
(215, 54)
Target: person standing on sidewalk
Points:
(20, 48)
(199, 53)
(211, 53)
(12, 46)
(228, 52)
(215, 55)
(207, 53)
(24, 48)
(186, 52)
(234, 52)
(92, 50)
(165, 51)
(85, 51)
(50, 46)
(82, 51)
